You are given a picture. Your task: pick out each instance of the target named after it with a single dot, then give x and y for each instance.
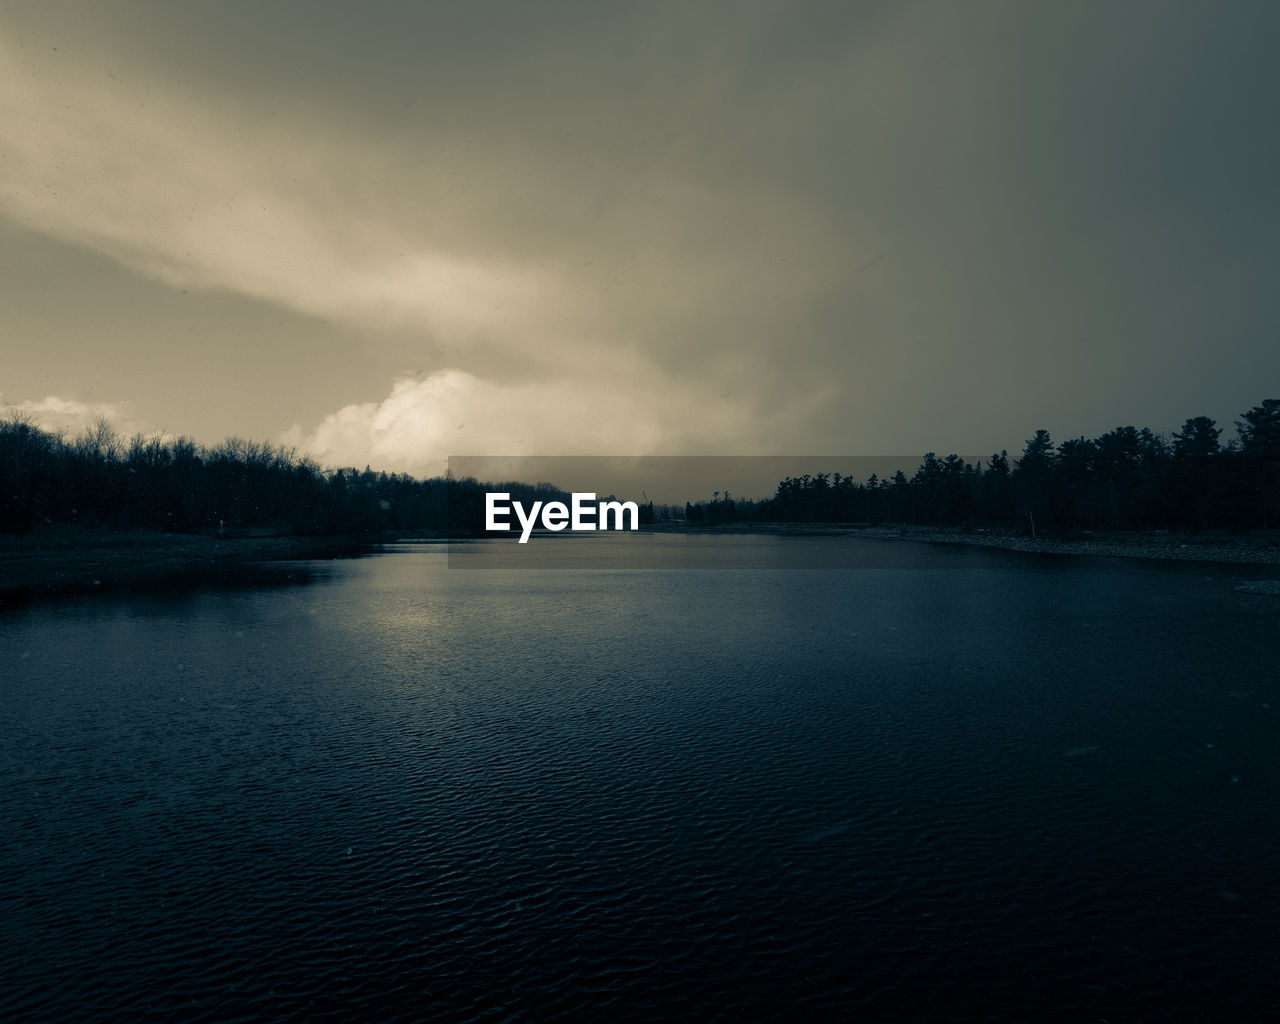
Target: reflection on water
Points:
(952, 785)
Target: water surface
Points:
(953, 785)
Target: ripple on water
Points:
(408, 794)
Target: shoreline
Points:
(1168, 547)
(69, 564)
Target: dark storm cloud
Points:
(751, 227)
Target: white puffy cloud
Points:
(69, 417)
(426, 419)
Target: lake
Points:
(928, 783)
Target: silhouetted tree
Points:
(1033, 478)
(1259, 432)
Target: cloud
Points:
(872, 226)
(507, 259)
(378, 232)
(69, 417)
(169, 188)
(426, 419)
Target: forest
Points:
(1127, 479)
(101, 480)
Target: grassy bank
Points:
(67, 562)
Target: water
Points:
(974, 786)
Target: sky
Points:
(387, 233)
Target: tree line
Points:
(1126, 479)
(100, 479)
